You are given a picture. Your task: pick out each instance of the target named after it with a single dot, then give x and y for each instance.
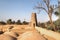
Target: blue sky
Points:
(22, 9)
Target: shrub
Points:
(58, 31)
(50, 28)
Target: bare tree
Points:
(48, 8)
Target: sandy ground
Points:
(23, 33)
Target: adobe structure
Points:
(33, 21)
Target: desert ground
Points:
(19, 32)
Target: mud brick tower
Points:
(33, 21)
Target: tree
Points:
(13, 22)
(42, 25)
(2, 23)
(48, 8)
(18, 22)
(24, 22)
(57, 14)
(9, 21)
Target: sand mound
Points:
(13, 34)
(6, 37)
(31, 35)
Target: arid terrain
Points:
(19, 32)
(16, 24)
